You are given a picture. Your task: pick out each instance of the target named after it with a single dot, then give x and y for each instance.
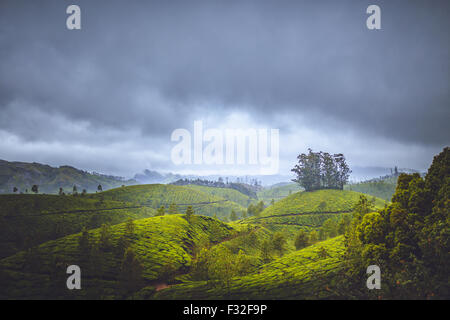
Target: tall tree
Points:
(189, 213)
(35, 188)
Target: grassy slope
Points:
(32, 219)
(277, 192)
(303, 274)
(316, 201)
(157, 242)
(156, 195)
(383, 189)
(311, 209)
(225, 193)
(23, 175)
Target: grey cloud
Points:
(153, 66)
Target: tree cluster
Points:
(408, 240)
(321, 170)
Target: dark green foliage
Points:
(161, 211)
(303, 274)
(408, 239)
(320, 170)
(279, 243)
(255, 209)
(266, 251)
(301, 240)
(131, 272)
(173, 209)
(105, 237)
(189, 213)
(233, 216)
(162, 245)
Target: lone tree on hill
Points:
(301, 240)
(161, 211)
(173, 208)
(320, 170)
(189, 213)
(35, 188)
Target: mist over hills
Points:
(23, 176)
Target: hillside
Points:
(23, 176)
(382, 188)
(28, 219)
(225, 193)
(163, 246)
(157, 195)
(303, 274)
(308, 211)
(277, 192)
(320, 201)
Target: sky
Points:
(108, 97)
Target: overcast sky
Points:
(107, 97)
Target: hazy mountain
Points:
(149, 176)
(23, 176)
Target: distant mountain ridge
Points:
(23, 175)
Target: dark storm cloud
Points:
(153, 66)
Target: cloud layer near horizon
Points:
(107, 97)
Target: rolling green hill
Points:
(304, 274)
(381, 188)
(28, 219)
(157, 195)
(23, 176)
(225, 193)
(277, 192)
(320, 201)
(162, 244)
(307, 211)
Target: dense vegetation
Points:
(152, 250)
(408, 240)
(304, 274)
(155, 242)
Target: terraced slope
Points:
(320, 201)
(27, 220)
(161, 244)
(304, 274)
(225, 193)
(278, 192)
(307, 211)
(156, 195)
